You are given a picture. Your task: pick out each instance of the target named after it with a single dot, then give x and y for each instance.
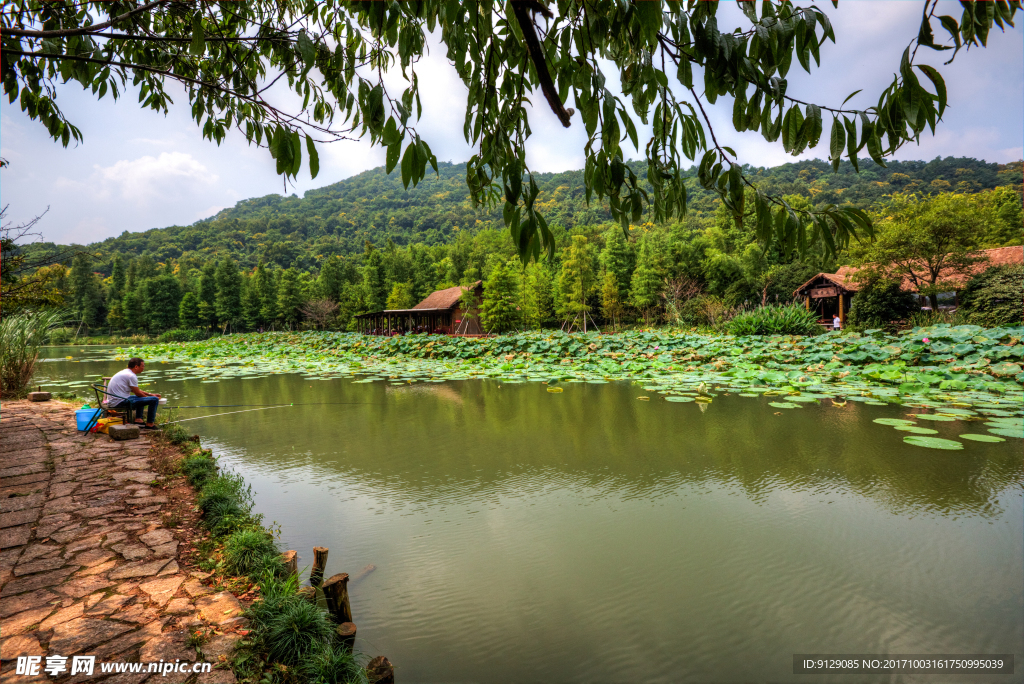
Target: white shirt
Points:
(836, 322)
(120, 386)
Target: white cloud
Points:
(147, 178)
(208, 212)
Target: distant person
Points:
(836, 323)
(125, 392)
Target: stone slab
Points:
(84, 633)
(161, 590)
(141, 569)
(22, 602)
(218, 608)
(123, 432)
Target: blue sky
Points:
(137, 169)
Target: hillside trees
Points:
(224, 54)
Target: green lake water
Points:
(588, 536)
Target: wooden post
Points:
(842, 314)
(316, 575)
(336, 593)
(346, 631)
(380, 671)
(808, 302)
(308, 593)
(291, 563)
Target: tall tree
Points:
(224, 54)
(331, 279)
(290, 298)
(250, 303)
(374, 281)
(611, 302)
(87, 298)
(265, 283)
(400, 297)
(229, 294)
(163, 302)
(645, 286)
(537, 296)
(576, 281)
(188, 311)
(500, 311)
(617, 260)
(208, 294)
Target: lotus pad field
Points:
(946, 373)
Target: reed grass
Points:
(21, 335)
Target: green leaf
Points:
(394, 150)
(851, 142)
(306, 49)
(198, 46)
(391, 135)
(837, 142)
(296, 143)
(940, 85)
(314, 158)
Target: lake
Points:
(588, 536)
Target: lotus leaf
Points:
(1008, 432)
(893, 421)
(982, 438)
(934, 417)
(916, 430)
(933, 442)
(783, 404)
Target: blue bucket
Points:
(83, 416)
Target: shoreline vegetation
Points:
(290, 638)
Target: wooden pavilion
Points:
(441, 312)
(830, 294)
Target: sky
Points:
(138, 169)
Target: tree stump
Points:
(346, 632)
(336, 592)
(308, 593)
(380, 671)
(291, 563)
(316, 575)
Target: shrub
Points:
(226, 502)
(251, 553)
(174, 433)
(704, 310)
(295, 631)
(880, 302)
(329, 664)
(994, 298)
(788, 319)
(199, 468)
(184, 335)
(61, 335)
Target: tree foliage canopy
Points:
(333, 54)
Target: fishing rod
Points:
(259, 407)
(322, 403)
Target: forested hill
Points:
(339, 218)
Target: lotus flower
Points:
(926, 340)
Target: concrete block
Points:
(121, 432)
(39, 396)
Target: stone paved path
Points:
(87, 566)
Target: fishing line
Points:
(228, 413)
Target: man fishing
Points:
(123, 390)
